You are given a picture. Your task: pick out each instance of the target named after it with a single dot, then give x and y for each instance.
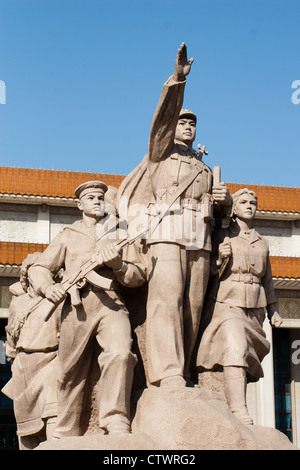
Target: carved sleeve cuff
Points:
(171, 81)
(122, 269)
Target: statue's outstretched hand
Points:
(182, 64)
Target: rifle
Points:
(86, 272)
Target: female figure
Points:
(234, 339)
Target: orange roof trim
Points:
(273, 198)
(52, 183)
(49, 183)
(286, 267)
(14, 253)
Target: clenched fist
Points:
(224, 251)
(111, 257)
(221, 194)
(55, 293)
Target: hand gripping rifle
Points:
(73, 283)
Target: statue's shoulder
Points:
(75, 227)
(200, 163)
(204, 166)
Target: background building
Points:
(36, 204)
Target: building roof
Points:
(61, 184)
(285, 267)
(49, 183)
(286, 272)
(273, 198)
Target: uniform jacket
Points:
(247, 279)
(75, 245)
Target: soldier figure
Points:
(101, 316)
(178, 262)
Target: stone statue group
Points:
(207, 287)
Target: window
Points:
(282, 381)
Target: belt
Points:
(247, 278)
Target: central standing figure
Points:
(173, 177)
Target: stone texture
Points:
(181, 419)
(198, 418)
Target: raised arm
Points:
(167, 111)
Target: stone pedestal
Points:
(181, 419)
(198, 418)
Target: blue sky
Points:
(83, 78)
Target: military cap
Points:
(188, 114)
(89, 186)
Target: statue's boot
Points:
(235, 383)
(118, 427)
(173, 381)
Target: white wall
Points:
(38, 225)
